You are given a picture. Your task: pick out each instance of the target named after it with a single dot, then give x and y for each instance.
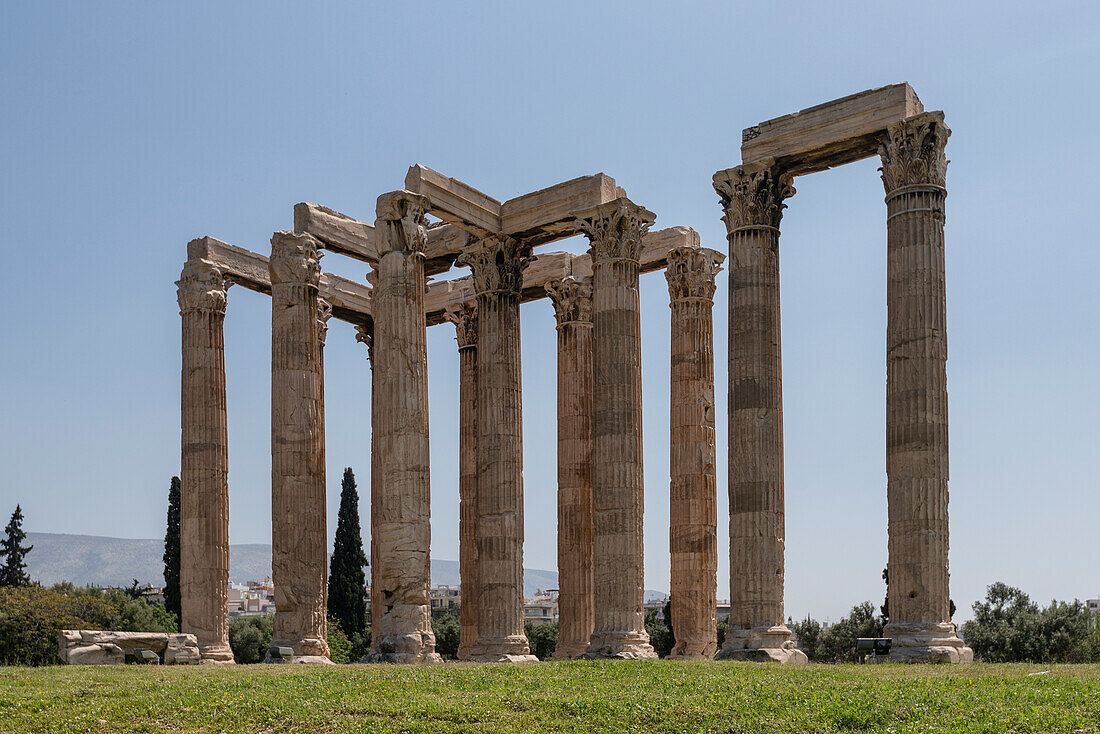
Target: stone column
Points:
(400, 493)
(364, 334)
(615, 231)
(572, 299)
(299, 545)
(914, 171)
(497, 265)
(752, 199)
(693, 509)
(204, 486)
(465, 320)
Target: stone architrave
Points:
(464, 318)
(204, 485)
(615, 231)
(752, 200)
(572, 300)
(400, 491)
(914, 172)
(693, 509)
(299, 545)
(497, 266)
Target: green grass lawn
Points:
(579, 696)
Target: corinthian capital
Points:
(324, 313)
(616, 229)
(201, 287)
(913, 152)
(496, 263)
(295, 259)
(401, 224)
(752, 197)
(572, 299)
(690, 272)
(364, 334)
(464, 317)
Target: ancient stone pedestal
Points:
(752, 199)
(497, 265)
(299, 545)
(914, 170)
(693, 509)
(615, 231)
(572, 299)
(204, 486)
(465, 320)
(400, 494)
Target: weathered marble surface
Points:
(99, 647)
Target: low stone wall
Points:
(96, 647)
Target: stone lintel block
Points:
(830, 134)
(456, 202)
(548, 214)
(339, 232)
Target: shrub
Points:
(446, 628)
(339, 647)
(249, 638)
(1008, 627)
(32, 616)
(543, 638)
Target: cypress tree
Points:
(346, 581)
(14, 570)
(172, 553)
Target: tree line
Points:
(1007, 625)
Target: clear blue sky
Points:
(130, 128)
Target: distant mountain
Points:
(89, 560)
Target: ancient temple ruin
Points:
(595, 296)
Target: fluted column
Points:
(465, 320)
(914, 171)
(497, 265)
(693, 507)
(204, 485)
(401, 494)
(364, 334)
(752, 200)
(615, 231)
(299, 547)
(572, 299)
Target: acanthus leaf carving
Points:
(324, 313)
(464, 317)
(402, 222)
(202, 287)
(496, 264)
(364, 334)
(913, 152)
(754, 198)
(616, 231)
(691, 271)
(295, 259)
(572, 299)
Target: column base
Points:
(761, 645)
(926, 643)
(570, 650)
(216, 655)
(307, 651)
(693, 650)
(405, 649)
(510, 649)
(614, 645)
